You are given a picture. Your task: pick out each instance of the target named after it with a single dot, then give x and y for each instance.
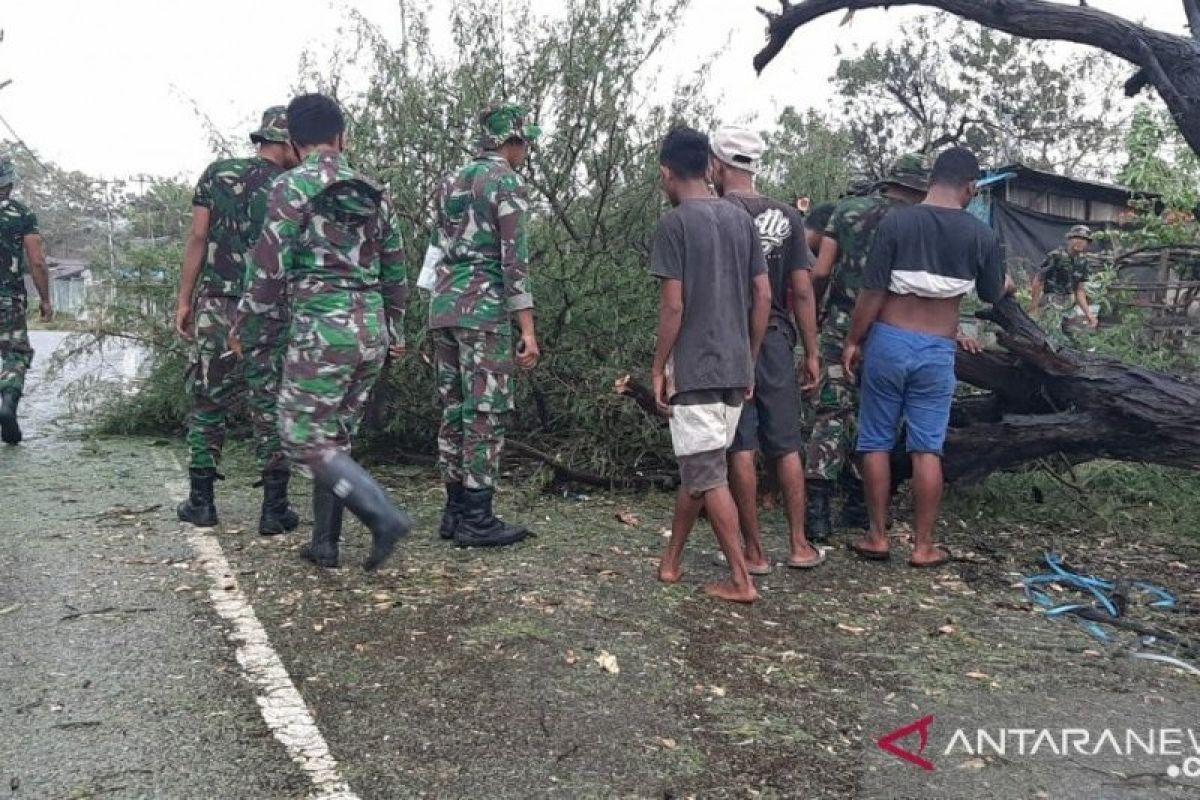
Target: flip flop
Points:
(822, 554)
(946, 557)
(870, 555)
(720, 561)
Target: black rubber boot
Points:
(854, 506)
(367, 500)
(199, 509)
(818, 513)
(10, 431)
(454, 509)
(479, 527)
(277, 516)
(327, 528)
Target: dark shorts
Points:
(905, 376)
(771, 421)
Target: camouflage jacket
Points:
(852, 225)
(331, 245)
(1063, 272)
(234, 191)
(16, 222)
(481, 216)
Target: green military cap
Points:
(506, 121)
(1080, 232)
(860, 184)
(274, 127)
(910, 170)
(8, 171)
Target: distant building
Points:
(1031, 210)
(69, 278)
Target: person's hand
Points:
(47, 311)
(183, 321)
(812, 373)
(969, 343)
(1093, 322)
(235, 346)
(749, 393)
(851, 356)
(528, 352)
(661, 399)
(397, 351)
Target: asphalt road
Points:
(116, 678)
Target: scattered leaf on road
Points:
(608, 662)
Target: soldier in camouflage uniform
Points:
(228, 211)
(1060, 286)
(20, 251)
(481, 284)
(331, 252)
(837, 278)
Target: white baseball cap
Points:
(740, 148)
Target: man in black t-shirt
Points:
(924, 259)
(770, 421)
(716, 300)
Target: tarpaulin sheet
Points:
(1027, 236)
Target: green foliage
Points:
(807, 157)
(1103, 497)
(1160, 162)
(946, 81)
(585, 73)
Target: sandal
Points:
(869, 554)
(937, 562)
(822, 555)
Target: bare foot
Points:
(732, 593)
(669, 573)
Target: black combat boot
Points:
(818, 513)
(454, 509)
(327, 528)
(199, 509)
(854, 506)
(479, 527)
(367, 500)
(277, 516)
(10, 431)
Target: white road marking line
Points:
(281, 704)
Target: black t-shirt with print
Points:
(781, 231)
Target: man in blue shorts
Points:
(925, 258)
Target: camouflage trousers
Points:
(830, 421)
(333, 362)
(15, 353)
(218, 380)
(474, 384)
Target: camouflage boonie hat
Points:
(1080, 232)
(503, 122)
(274, 127)
(860, 184)
(8, 171)
(911, 171)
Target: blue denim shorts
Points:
(906, 376)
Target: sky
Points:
(112, 87)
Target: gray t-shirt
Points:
(713, 248)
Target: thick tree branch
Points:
(1170, 62)
(1192, 9)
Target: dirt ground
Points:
(560, 668)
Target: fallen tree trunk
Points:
(1050, 399)
(1047, 400)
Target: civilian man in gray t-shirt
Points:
(716, 302)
